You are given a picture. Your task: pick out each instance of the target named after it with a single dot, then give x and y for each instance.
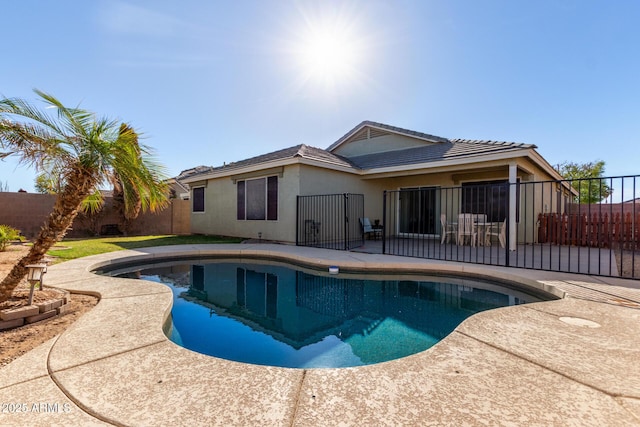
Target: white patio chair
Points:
(467, 228)
(500, 232)
(447, 229)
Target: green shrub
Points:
(7, 234)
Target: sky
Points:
(212, 82)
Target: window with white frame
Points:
(257, 199)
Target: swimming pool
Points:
(269, 313)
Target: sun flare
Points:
(329, 53)
(327, 56)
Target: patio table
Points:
(482, 229)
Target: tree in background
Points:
(587, 179)
(49, 181)
(88, 150)
(7, 234)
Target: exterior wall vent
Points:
(375, 133)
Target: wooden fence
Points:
(602, 230)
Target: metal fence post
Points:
(346, 221)
(297, 220)
(384, 221)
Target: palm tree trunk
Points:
(68, 203)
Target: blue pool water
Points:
(273, 314)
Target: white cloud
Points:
(125, 19)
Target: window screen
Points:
(258, 199)
(198, 199)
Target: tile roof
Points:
(442, 149)
(301, 150)
(193, 171)
(456, 148)
(502, 143)
(324, 155)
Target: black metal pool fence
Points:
(330, 221)
(587, 226)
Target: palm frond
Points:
(34, 143)
(93, 203)
(21, 108)
(75, 121)
(141, 176)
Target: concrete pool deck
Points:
(535, 364)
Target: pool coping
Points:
(519, 365)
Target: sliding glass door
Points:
(418, 210)
(489, 197)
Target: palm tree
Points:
(89, 151)
(126, 199)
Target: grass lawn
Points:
(78, 248)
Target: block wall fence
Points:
(28, 211)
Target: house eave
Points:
(229, 172)
(403, 170)
(535, 156)
(329, 165)
(538, 159)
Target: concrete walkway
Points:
(539, 364)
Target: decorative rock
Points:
(19, 313)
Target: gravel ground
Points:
(18, 341)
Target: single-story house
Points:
(256, 197)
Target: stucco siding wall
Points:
(318, 181)
(220, 214)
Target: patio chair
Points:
(467, 228)
(481, 227)
(447, 228)
(368, 229)
(311, 231)
(500, 232)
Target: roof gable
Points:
(371, 137)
